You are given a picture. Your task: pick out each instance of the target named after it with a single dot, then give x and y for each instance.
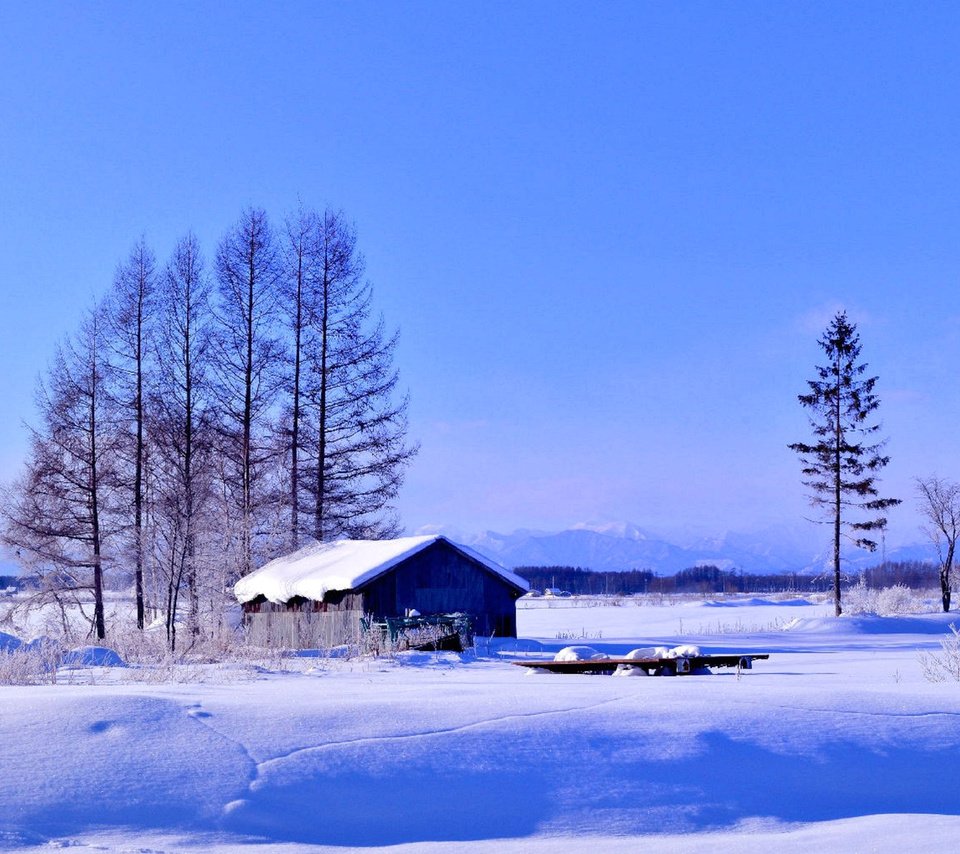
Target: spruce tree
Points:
(842, 463)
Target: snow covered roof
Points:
(344, 565)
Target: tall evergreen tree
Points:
(842, 463)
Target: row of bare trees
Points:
(207, 417)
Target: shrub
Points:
(30, 664)
(945, 665)
(860, 599)
(898, 599)
(888, 602)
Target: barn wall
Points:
(305, 623)
(441, 580)
(305, 629)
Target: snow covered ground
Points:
(837, 743)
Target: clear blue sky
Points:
(609, 233)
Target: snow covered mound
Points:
(578, 653)
(8, 643)
(92, 656)
(683, 651)
(921, 624)
(627, 670)
(753, 602)
(646, 652)
(588, 653)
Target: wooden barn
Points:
(323, 594)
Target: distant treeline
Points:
(712, 579)
(698, 579)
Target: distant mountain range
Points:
(619, 546)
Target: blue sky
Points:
(609, 233)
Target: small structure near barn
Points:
(326, 593)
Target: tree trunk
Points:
(295, 426)
(837, 496)
(247, 463)
(98, 617)
(320, 498)
(138, 473)
(945, 578)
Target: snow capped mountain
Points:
(625, 530)
(622, 545)
(579, 547)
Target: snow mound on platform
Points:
(578, 653)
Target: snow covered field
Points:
(837, 743)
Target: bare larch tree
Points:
(245, 362)
(354, 428)
(299, 275)
(62, 511)
(183, 434)
(131, 316)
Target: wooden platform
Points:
(653, 666)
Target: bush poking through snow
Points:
(888, 602)
(30, 664)
(860, 599)
(945, 665)
(898, 599)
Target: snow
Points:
(588, 653)
(578, 653)
(837, 742)
(683, 651)
(646, 653)
(343, 565)
(92, 656)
